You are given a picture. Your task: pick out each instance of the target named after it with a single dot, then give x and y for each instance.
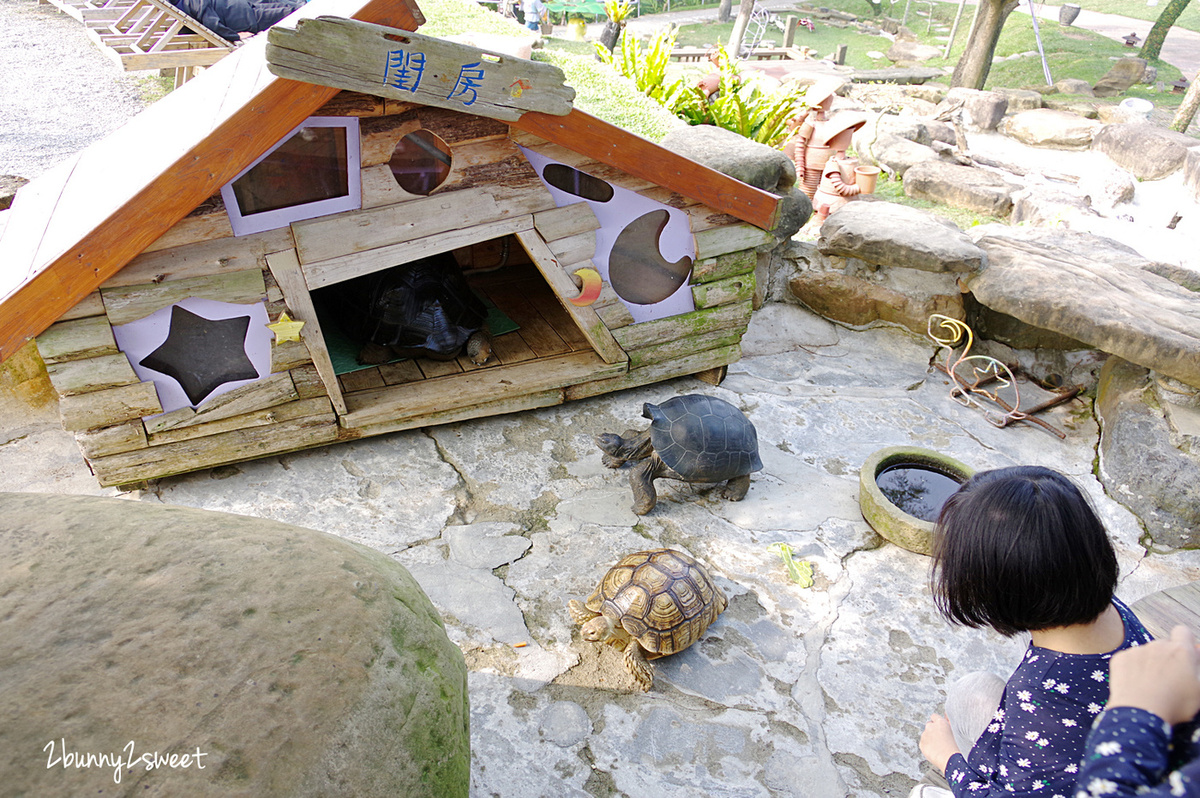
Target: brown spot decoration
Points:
(421, 162)
(636, 268)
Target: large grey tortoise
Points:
(419, 309)
(692, 438)
(651, 604)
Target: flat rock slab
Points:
(900, 75)
(1046, 127)
(960, 186)
(266, 658)
(1115, 304)
(888, 234)
(1147, 151)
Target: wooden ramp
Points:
(1161, 611)
(149, 34)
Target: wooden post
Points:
(839, 55)
(954, 28)
(789, 31)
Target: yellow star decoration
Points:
(285, 329)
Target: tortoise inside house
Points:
(419, 309)
(692, 438)
(650, 604)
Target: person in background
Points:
(237, 20)
(535, 14)
(1146, 740)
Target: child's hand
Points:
(1159, 677)
(937, 742)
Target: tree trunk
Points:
(976, 61)
(739, 28)
(725, 11)
(1158, 34)
(1187, 109)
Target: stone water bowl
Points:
(902, 489)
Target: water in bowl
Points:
(916, 490)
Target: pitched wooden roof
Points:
(78, 224)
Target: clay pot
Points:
(865, 178)
(1067, 13)
(906, 531)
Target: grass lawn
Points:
(1070, 52)
(823, 41)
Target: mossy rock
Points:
(291, 661)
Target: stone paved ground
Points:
(793, 692)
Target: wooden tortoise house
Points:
(172, 272)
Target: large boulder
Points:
(752, 163)
(922, 130)
(1021, 99)
(1147, 151)
(1044, 205)
(895, 154)
(1124, 73)
(737, 156)
(1074, 86)
(1072, 105)
(1096, 291)
(1149, 459)
(888, 234)
(851, 292)
(879, 261)
(960, 186)
(267, 659)
(1046, 127)
(980, 109)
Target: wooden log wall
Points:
(490, 192)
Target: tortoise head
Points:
(651, 411)
(598, 629)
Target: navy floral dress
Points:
(1134, 752)
(1035, 741)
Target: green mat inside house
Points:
(343, 350)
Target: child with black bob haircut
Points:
(1021, 550)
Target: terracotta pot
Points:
(865, 178)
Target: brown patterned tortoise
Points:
(651, 604)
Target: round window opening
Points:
(420, 162)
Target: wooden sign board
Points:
(401, 65)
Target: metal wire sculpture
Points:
(971, 373)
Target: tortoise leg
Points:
(479, 347)
(641, 479)
(620, 449)
(580, 613)
(373, 355)
(735, 489)
(635, 662)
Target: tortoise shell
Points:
(663, 598)
(702, 438)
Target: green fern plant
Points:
(740, 105)
(648, 68)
